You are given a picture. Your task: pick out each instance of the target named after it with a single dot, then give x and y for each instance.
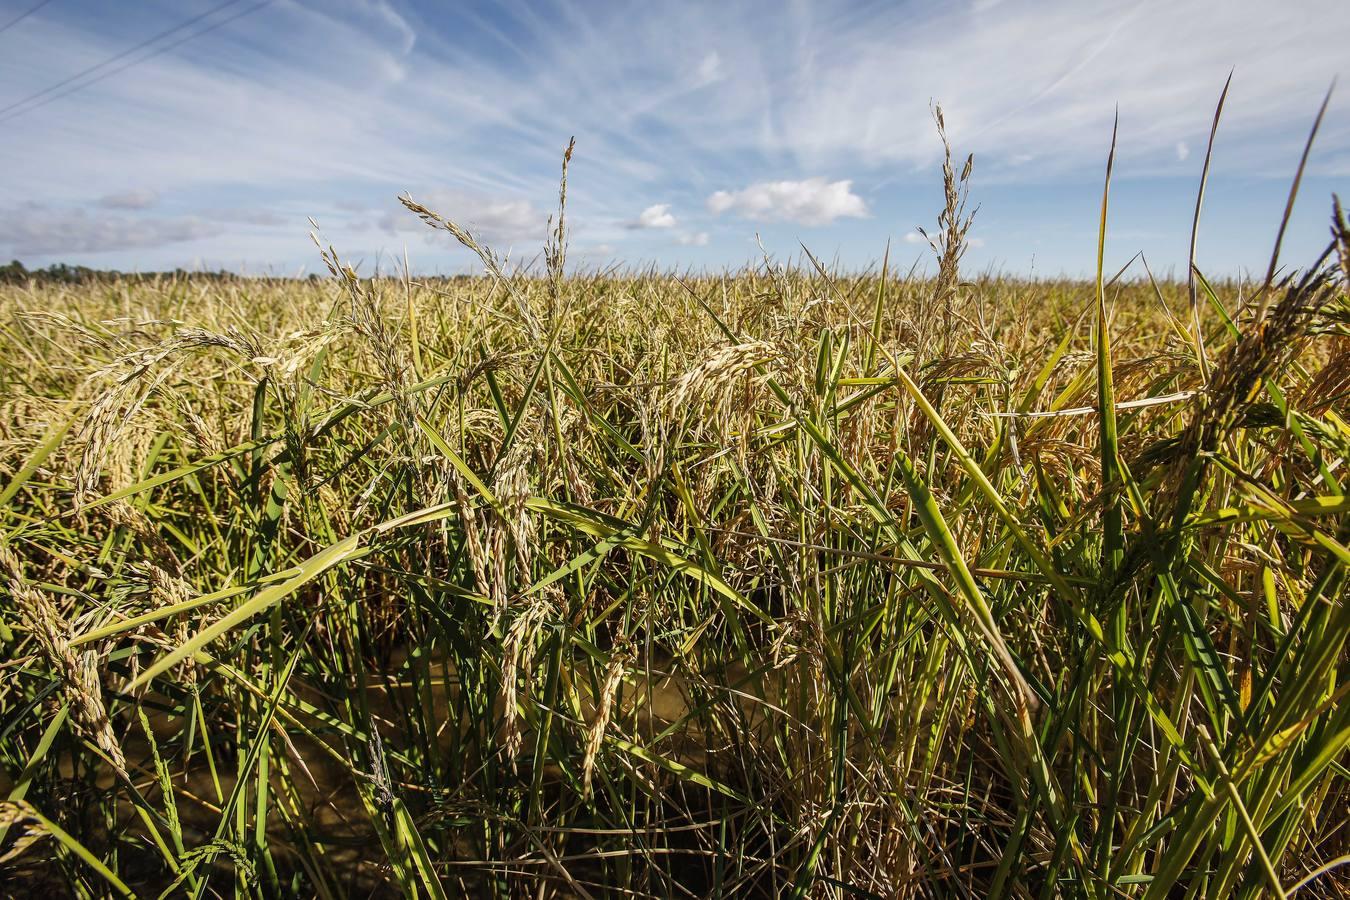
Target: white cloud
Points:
(248, 216)
(237, 111)
(493, 220)
(709, 69)
(814, 201)
(657, 216)
(1183, 151)
(34, 229)
(826, 86)
(308, 102)
(137, 199)
(692, 239)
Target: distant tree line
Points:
(63, 273)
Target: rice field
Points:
(780, 582)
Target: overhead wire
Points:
(21, 16)
(74, 83)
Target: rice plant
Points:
(788, 581)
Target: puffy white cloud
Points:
(814, 201)
(1183, 151)
(657, 216)
(143, 198)
(692, 239)
(35, 229)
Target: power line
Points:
(112, 59)
(50, 94)
(21, 16)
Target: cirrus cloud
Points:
(308, 104)
(813, 201)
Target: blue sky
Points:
(698, 126)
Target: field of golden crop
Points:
(788, 582)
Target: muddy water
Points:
(321, 794)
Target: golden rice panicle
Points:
(79, 672)
(604, 709)
(711, 380)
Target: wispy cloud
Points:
(262, 217)
(494, 220)
(40, 230)
(692, 239)
(309, 106)
(814, 201)
(138, 199)
(1031, 87)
